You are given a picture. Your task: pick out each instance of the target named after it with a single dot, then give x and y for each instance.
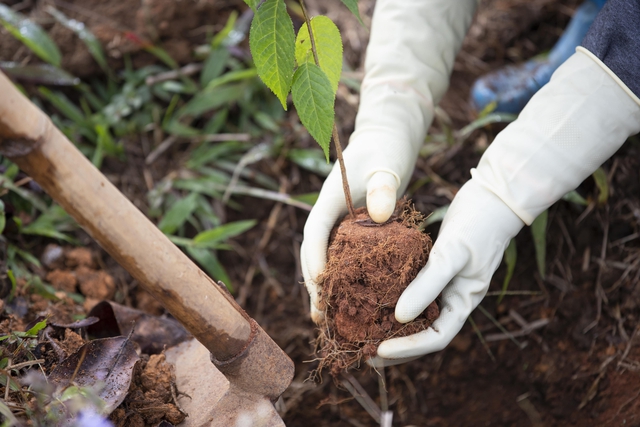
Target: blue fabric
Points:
(614, 37)
(513, 86)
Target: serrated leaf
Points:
(31, 34)
(313, 98)
(352, 5)
(253, 4)
(272, 42)
(510, 258)
(328, 46)
(539, 232)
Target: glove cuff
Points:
(567, 130)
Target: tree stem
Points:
(343, 172)
(336, 138)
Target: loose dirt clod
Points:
(368, 267)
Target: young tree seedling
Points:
(307, 65)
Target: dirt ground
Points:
(573, 356)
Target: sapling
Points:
(368, 264)
(307, 65)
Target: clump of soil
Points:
(151, 397)
(369, 265)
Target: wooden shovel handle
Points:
(29, 139)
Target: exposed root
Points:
(367, 270)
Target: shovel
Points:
(248, 371)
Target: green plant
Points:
(214, 116)
(308, 65)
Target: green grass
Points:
(215, 118)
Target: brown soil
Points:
(590, 296)
(151, 396)
(368, 267)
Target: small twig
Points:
(499, 326)
(629, 344)
(174, 396)
(187, 70)
(24, 364)
(83, 355)
(363, 398)
(164, 146)
(8, 385)
(593, 390)
(222, 137)
(481, 338)
(522, 332)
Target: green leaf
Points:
(3, 219)
(87, 37)
(31, 34)
(352, 5)
(328, 46)
(222, 38)
(253, 4)
(510, 257)
(178, 214)
(214, 65)
(436, 216)
(27, 195)
(36, 328)
(51, 224)
(208, 260)
(313, 98)
(45, 74)
(219, 234)
(272, 42)
(311, 159)
(64, 105)
(14, 285)
(539, 232)
(231, 76)
(600, 177)
(573, 197)
(209, 100)
(308, 198)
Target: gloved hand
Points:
(570, 127)
(409, 59)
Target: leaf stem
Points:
(336, 138)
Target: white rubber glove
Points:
(409, 60)
(569, 128)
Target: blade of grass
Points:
(87, 37)
(31, 35)
(510, 258)
(208, 260)
(539, 233)
(481, 338)
(499, 326)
